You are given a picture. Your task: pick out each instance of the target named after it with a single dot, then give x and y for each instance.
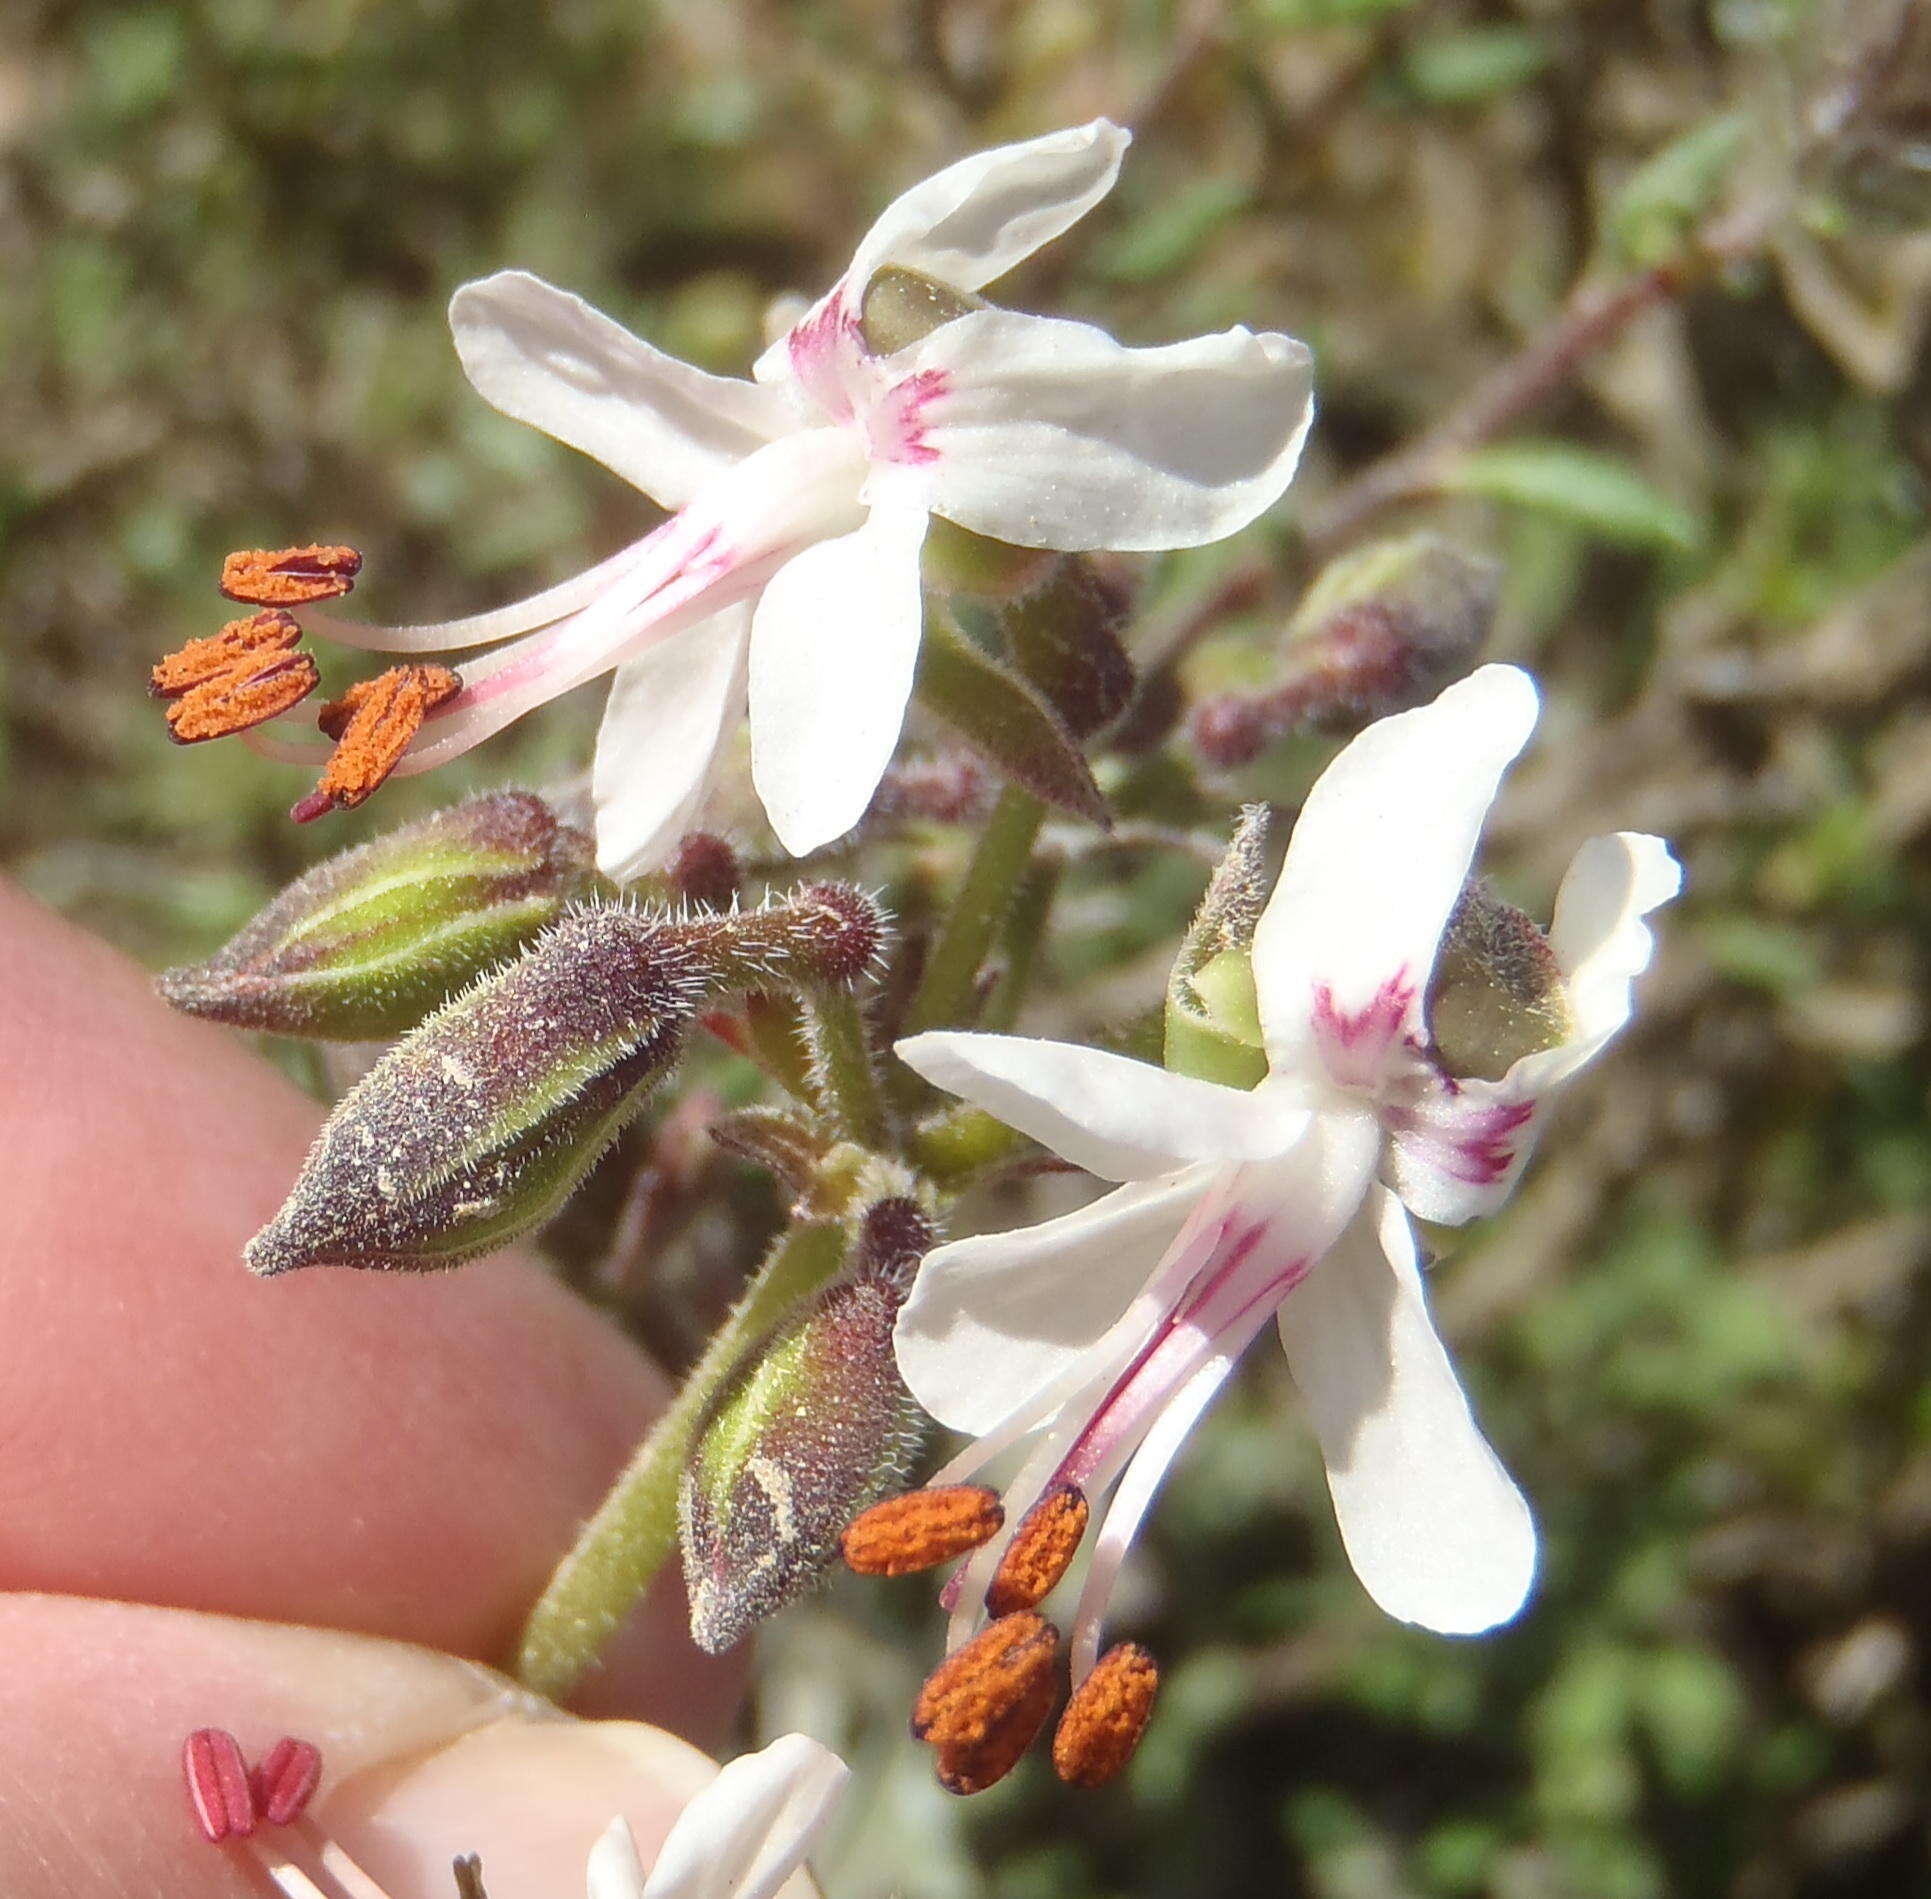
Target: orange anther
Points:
(983, 1705)
(1106, 1717)
(372, 724)
(1040, 1550)
(921, 1529)
(246, 673)
(256, 637)
(289, 576)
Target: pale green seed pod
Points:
(370, 941)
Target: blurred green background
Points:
(1699, 1337)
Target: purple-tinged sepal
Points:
(816, 1428)
(370, 941)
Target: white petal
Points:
(1435, 1528)
(1051, 434)
(977, 218)
(615, 1871)
(1599, 936)
(718, 551)
(742, 1837)
(973, 221)
(992, 1321)
(670, 712)
(1379, 854)
(547, 358)
(1119, 1118)
(834, 645)
(1459, 1148)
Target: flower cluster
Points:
(1374, 1041)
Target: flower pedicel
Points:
(1103, 1335)
(788, 579)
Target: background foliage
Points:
(227, 230)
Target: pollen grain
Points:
(247, 673)
(372, 725)
(982, 1707)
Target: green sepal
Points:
(1004, 720)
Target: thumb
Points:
(424, 1757)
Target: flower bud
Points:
(1497, 993)
(1212, 1014)
(474, 1129)
(1005, 719)
(1384, 628)
(817, 1428)
(371, 940)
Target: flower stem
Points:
(843, 1069)
(632, 1535)
(1005, 850)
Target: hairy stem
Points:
(843, 1069)
(634, 1532)
(985, 895)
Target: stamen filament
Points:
(1133, 1498)
(284, 1872)
(486, 628)
(340, 1867)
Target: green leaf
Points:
(1650, 218)
(1472, 65)
(1167, 237)
(1592, 490)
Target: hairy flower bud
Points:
(1384, 628)
(1497, 993)
(474, 1129)
(1212, 1013)
(817, 1428)
(367, 943)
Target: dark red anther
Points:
(286, 1780)
(218, 1789)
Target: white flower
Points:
(1107, 1331)
(742, 1837)
(790, 574)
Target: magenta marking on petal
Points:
(1214, 1303)
(898, 423)
(819, 348)
(1358, 1042)
(1477, 1146)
